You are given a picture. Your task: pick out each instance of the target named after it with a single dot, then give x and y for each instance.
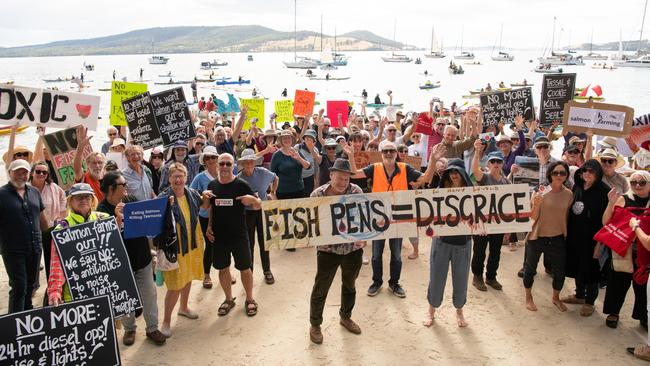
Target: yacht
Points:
(396, 57)
(643, 61)
(158, 60)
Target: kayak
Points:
(429, 86)
(521, 84)
(331, 78)
(174, 82)
(234, 82)
(56, 80)
(6, 130)
(209, 80)
(166, 76)
(383, 105)
(471, 96)
(476, 91)
(504, 89)
(579, 98)
(104, 89)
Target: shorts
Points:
(240, 250)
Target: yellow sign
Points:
(120, 91)
(255, 109)
(284, 110)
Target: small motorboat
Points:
(604, 66)
(548, 69)
(250, 57)
(456, 70)
(218, 63)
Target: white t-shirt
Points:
(420, 149)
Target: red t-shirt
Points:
(95, 184)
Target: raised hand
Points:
(519, 121)
(612, 195)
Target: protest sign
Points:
(284, 110)
(144, 218)
(76, 333)
(138, 112)
(62, 147)
(255, 110)
(118, 158)
(121, 90)
(336, 108)
(391, 113)
(303, 103)
(308, 222)
(172, 116)
(604, 119)
(557, 89)
(528, 172)
(640, 129)
(424, 124)
(506, 105)
(95, 263)
(49, 108)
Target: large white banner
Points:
(49, 108)
(603, 119)
(308, 222)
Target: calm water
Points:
(628, 86)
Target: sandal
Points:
(226, 306)
(268, 278)
(611, 321)
(207, 283)
(251, 311)
(587, 310)
(572, 299)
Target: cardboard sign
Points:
(391, 113)
(173, 116)
(336, 108)
(76, 333)
(138, 112)
(121, 90)
(641, 129)
(308, 222)
(144, 218)
(303, 103)
(255, 110)
(50, 108)
(284, 110)
(557, 89)
(506, 105)
(604, 119)
(95, 263)
(62, 146)
(528, 172)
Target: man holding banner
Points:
(329, 258)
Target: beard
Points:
(19, 183)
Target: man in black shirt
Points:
(228, 232)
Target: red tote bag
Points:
(617, 234)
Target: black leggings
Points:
(290, 195)
(309, 185)
(207, 254)
(254, 223)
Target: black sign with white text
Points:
(142, 123)
(557, 89)
(173, 116)
(506, 105)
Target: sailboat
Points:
(502, 56)
(558, 58)
(157, 60)
(464, 55)
(643, 60)
(592, 55)
(396, 57)
(298, 62)
(436, 51)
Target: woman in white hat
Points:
(610, 160)
(266, 146)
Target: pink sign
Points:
(336, 107)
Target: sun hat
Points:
(610, 153)
(207, 151)
(80, 188)
(249, 155)
(341, 165)
(117, 142)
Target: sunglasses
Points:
(640, 183)
(403, 151)
(21, 155)
(391, 130)
(326, 125)
(588, 170)
(495, 161)
(41, 172)
(558, 173)
(209, 157)
(330, 147)
(156, 156)
(199, 143)
(389, 151)
(574, 152)
(225, 163)
(112, 134)
(83, 197)
(542, 147)
(608, 161)
(122, 184)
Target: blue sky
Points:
(527, 23)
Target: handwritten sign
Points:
(284, 110)
(255, 110)
(95, 263)
(309, 222)
(506, 105)
(62, 146)
(303, 103)
(144, 218)
(557, 89)
(604, 119)
(391, 113)
(528, 172)
(138, 112)
(172, 116)
(77, 333)
(336, 108)
(121, 90)
(51, 108)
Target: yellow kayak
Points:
(584, 99)
(6, 130)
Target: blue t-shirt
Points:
(290, 172)
(259, 181)
(200, 184)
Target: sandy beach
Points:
(501, 331)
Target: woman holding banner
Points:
(81, 202)
(190, 238)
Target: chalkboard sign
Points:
(95, 263)
(75, 333)
(506, 105)
(142, 123)
(557, 89)
(62, 146)
(172, 116)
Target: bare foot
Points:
(559, 305)
(460, 318)
(413, 255)
(530, 305)
(429, 317)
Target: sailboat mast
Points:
(432, 34)
(500, 36)
(553, 37)
(591, 41)
(462, 31)
(321, 32)
(295, 30)
(645, 7)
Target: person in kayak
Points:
(377, 99)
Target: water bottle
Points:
(159, 278)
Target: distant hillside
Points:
(613, 46)
(238, 38)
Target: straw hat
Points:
(612, 154)
(249, 155)
(20, 149)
